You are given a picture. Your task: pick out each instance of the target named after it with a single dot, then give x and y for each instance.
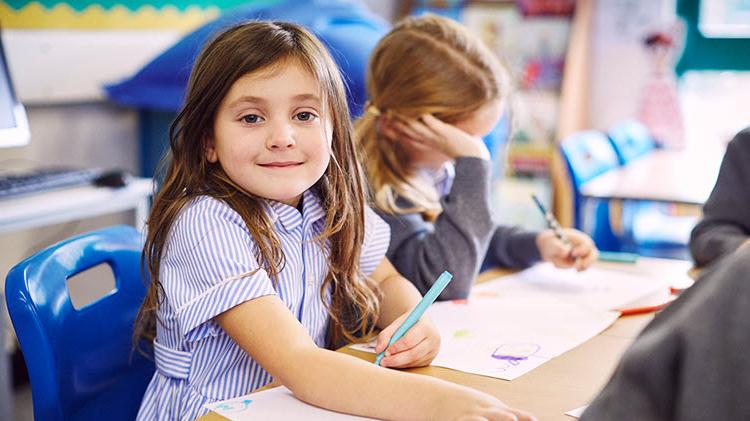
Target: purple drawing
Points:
(516, 352)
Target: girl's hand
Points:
(417, 348)
(475, 405)
(582, 254)
(427, 132)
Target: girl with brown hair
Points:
(434, 90)
(262, 252)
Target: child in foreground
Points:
(262, 251)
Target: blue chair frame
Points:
(588, 154)
(81, 362)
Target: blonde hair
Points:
(424, 65)
(243, 49)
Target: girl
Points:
(261, 250)
(434, 90)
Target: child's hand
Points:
(417, 348)
(428, 132)
(475, 405)
(582, 254)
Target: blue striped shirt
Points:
(208, 267)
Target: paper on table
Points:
(274, 404)
(505, 337)
(576, 413)
(513, 324)
(600, 288)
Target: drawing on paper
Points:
(234, 406)
(461, 333)
(515, 352)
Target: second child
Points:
(434, 90)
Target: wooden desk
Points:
(565, 382)
(663, 175)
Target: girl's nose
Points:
(280, 137)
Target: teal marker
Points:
(617, 256)
(415, 314)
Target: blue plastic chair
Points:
(631, 140)
(81, 363)
(588, 154)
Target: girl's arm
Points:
(725, 224)
(269, 333)
(420, 345)
(458, 239)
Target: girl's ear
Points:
(384, 125)
(211, 154)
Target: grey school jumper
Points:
(462, 237)
(726, 214)
(691, 362)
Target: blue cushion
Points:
(347, 29)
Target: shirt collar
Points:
(289, 218)
(441, 178)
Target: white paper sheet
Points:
(505, 337)
(274, 404)
(576, 413)
(513, 324)
(599, 288)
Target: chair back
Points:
(588, 154)
(80, 361)
(630, 139)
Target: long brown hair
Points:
(424, 65)
(240, 50)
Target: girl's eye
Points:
(252, 118)
(305, 116)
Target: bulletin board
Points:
(111, 14)
(91, 43)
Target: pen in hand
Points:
(553, 224)
(415, 314)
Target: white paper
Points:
(505, 337)
(513, 324)
(274, 404)
(598, 288)
(577, 412)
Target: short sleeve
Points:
(377, 238)
(209, 266)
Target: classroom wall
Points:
(619, 65)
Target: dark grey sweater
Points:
(691, 362)
(726, 214)
(461, 238)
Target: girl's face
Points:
(270, 134)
